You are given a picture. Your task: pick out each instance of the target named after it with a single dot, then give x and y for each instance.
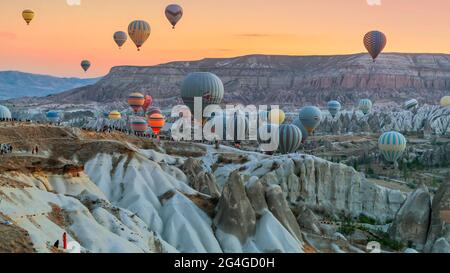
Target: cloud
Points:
(374, 2)
(73, 2)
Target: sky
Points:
(61, 35)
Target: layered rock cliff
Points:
(284, 80)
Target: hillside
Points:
(283, 79)
(15, 84)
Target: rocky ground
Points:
(119, 193)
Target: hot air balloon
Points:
(139, 125)
(204, 85)
(147, 103)
(375, 41)
(411, 104)
(85, 64)
(156, 122)
(5, 113)
(53, 116)
(28, 15)
(153, 110)
(392, 145)
(365, 105)
(277, 116)
(334, 107)
(115, 115)
(299, 124)
(136, 101)
(290, 138)
(174, 14)
(445, 101)
(120, 38)
(139, 32)
(310, 117)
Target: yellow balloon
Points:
(277, 116)
(28, 15)
(445, 101)
(115, 115)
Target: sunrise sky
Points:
(61, 36)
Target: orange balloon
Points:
(156, 122)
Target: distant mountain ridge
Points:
(15, 84)
(285, 80)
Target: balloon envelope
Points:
(120, 38)
(147, 102)
(139, 31)
(290, 138)
(85, 64)
(174, 14)
(156, 122)
(139, 125)
(334, 107)
(28, 15)
(445, 101)
(310, 117)
(277, 116)
(53, 116)
(299, 124)
(392, 145)
(365, 105)
(375, 42)
(136, 101)
(115, 115)
(204, 85)
(411, 104)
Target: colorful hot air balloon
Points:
(136, 101)
(334, 107)
(53, 116)
(299, 124)
(153, 110)
(139, 32)
(365, 105)
(85, 64)
(147, 103)
(290, 138)
(375, 42)
(120, 38)
(392, 145)
(445, 101)
(276, 116)
(156, 122)
(139, 125)
(28, 15)
(174, 14)
(411, 104)
(310, 117)
(204, 85)
(115, 115)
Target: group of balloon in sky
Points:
(210, 88)
(138, 30)
(153, 117)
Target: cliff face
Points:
(285, 80)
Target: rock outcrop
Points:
(412, 220)
(439, 233)
(285, 80)
(235, 214)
